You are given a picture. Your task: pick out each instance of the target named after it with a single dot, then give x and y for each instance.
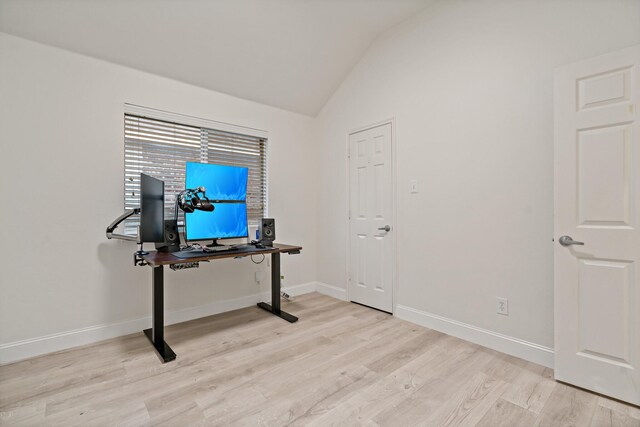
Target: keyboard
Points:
(218, 248)
(197, 253)
(189, 253)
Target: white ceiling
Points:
(290, 54)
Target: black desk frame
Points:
(156, 332)
(275, 291)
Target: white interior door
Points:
(597, 285)
(371, 218)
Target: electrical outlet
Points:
(259, 276)
(502, 306)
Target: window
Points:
(159, 144)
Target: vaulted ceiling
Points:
(291, 54)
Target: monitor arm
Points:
(117, 221)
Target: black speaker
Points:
(267, 231)
(171, 237)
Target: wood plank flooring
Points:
(342, 364)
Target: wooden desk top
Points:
(164, 258)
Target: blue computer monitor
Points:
(222, 182)
(227, 221)
(226, 187)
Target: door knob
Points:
(385, 228)
(568, 241)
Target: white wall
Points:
(470, 84)
(61, 179)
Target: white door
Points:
(371, 218)
(597, 186)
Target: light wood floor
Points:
(341, 364)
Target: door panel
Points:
(604, 328)
(605, 88)
(371, 208)
(597, 182)
(604, 178)
(361, 259)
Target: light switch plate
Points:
(413, 186)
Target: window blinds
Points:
(161, 148)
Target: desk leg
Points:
(156, 333)
(275, 292)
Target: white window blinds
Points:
(161, 148)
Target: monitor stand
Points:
(214, 244)
(137, 256)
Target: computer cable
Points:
(259, 262)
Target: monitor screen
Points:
(227, 221)
(151, 209)
(221, 182)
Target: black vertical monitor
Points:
(151, 209)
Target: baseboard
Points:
(332, 291)
(20, 350)
(503, 343)
(302, 289)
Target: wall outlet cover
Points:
(502, 306)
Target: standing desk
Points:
(157, 261)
